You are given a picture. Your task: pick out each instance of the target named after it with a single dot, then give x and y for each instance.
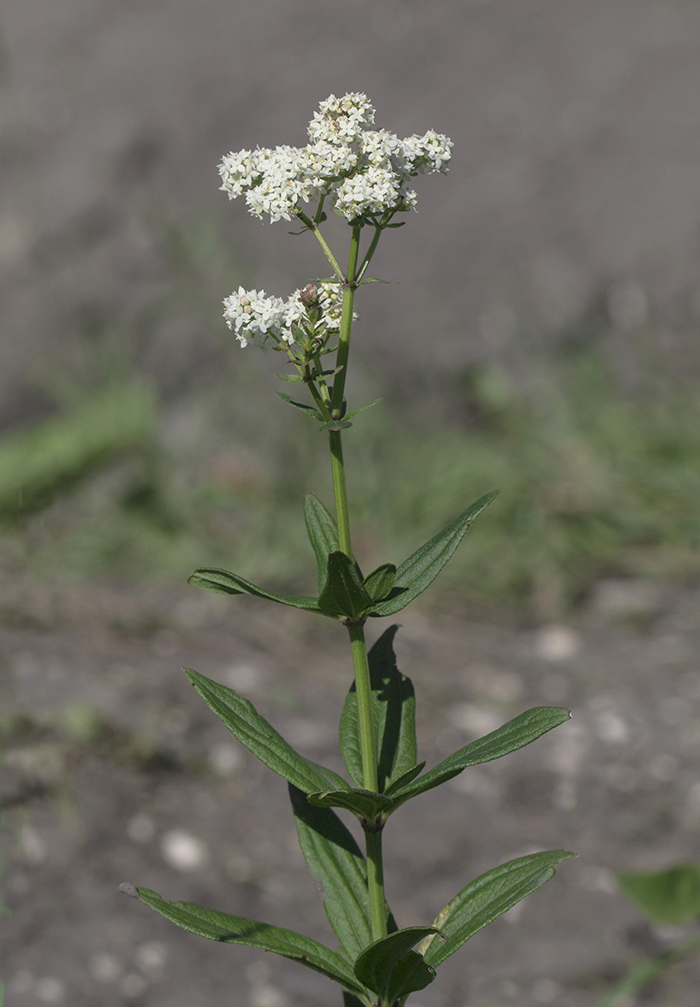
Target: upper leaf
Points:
(361, 409)
(517, 733)
(418, 572)
(344, 594)
(323, 535)
(488, 897)
(365, 804)
(217, 926)
(225, 582)
(391, 969)
(670, 896)
(309, 410)
(379, 583)
(393, 714)
(335, 859)
(260, 738)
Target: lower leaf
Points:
(391, 969)
(217, 926)
(488, 897)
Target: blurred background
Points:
(538, 333)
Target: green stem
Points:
(375, 884)
(643, 973)
(340, 492)
(341, 359)
(313, 227)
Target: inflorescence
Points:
(360, 174)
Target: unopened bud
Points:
(309, 295)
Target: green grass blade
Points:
(391, 969)
(335, 859)
(225, 582)
(217, 926)
(323, 534)
(418, 572)
(260, 738)
(393, 713)
(517, 733)
(344, 593)
(488, 897)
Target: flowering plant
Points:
(361, 174)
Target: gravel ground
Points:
(115, 770)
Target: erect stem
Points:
(358, 647)
(341, 359)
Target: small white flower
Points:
(360, 170)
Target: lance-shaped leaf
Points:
(344, 594)
(323, 535)
(517, 733)
(361, 409)
(335, 859)
(487, 898)
(404, 779)
(418, 572)
(217, 926)
(309, 410)
(391, 969)
(260, 738)
(364, 803)
(225, 582)
(393, 714)
(379, 583)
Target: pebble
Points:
(473, 719)
(140, 828)
(105, 968)
(151, 958)
(50, 990)
(225, 759)
(557, 643)
(183, 851)
(133, 985)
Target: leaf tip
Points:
(130, 889)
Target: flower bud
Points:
(309, 297)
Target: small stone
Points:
(140, 828)
(611, 728)
(183, 851)
(21, 982)
(557, 643)
(50, 990)
(474, 720)
(105, 968)
(151, 958)
(663, 767)
(545, 991)
(225, 759)
(32, 846)
(133, 985)
(242, 677)
(266, 995)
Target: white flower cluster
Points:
(254, 317)
(361, 170)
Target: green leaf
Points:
(418, 572)
(309, 410)
(487, 898)
(323, 535)
(225, 582)
(393, 714)
(517, 733)
(335, 859)
(295, 378)
(379, 583)
(403, 781)
(367, 805)
(670, 896)
(217, 926)
(391, 969)
(361, 409)
(260, 738)
(344, 594)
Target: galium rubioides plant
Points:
(363, 175)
